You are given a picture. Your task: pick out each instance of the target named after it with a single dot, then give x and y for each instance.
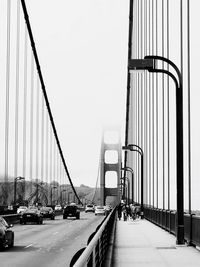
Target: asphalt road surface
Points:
(51, 244)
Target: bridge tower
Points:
(110, 164)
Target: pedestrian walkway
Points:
(141, 243)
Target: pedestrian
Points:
(128, 211)
(124, 211)
(133, 211)
(119, 210)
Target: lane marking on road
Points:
(29, 246)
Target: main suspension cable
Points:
(45, 94)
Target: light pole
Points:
(128, 188)
(69, 197)
(149, 63)
(136, 148)
(132, 176)
(15, 187)
(61, 198)
(37, 189)
(53, 187)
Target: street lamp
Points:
(128, 188)
(53, 187)
(15, 187)
(132, 176)
(69, 197)
(37, 189)
(149, 63)
(61, 199)
(138, 149)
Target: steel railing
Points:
(166, 219)
(95, 254)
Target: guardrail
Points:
(166, 219)
(97, 252)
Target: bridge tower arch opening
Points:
(110, 169)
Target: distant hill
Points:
(30, 192)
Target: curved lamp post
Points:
(132, 176)
(61, 198)
(136, 148)
(37, 189)
(15, 187)
(69, 197)
(149, 63)
(128, 188)
(53, 187)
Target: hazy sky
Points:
(82, 47)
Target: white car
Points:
(58, 207)
(89, 208)
(99, 210)
(21, 209)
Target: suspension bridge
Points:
(155, 166)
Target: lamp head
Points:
(141, 64)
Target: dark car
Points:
(71, 210)
(6, 234)
(32, 214)
(47, 212)
(89, 208)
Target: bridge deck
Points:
(141, 243)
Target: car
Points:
(32, 214)
(58, 207)
(71, 210)
(89, 208)
(21, 209)
(47, 212)
(6, 234)
(99, 210)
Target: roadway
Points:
(51, 244)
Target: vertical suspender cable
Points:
(138, 100)
(189, 115)
(7, 92)
(146, 105)
(45, 94)
(31, 119)
(163, 104)
(57, 163)
(135, 100)
(54, 160)
(51, 158)
(17, 90)
(168, 114)
(142, 85)
(47, 147)
(60, 173)
(181, 41)
(97, 180)
(157, 150)
(149, 159)
(145, 88)
(142, 77)
(153, 179)
(25, 103)
(42, 139)
(37, 130)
